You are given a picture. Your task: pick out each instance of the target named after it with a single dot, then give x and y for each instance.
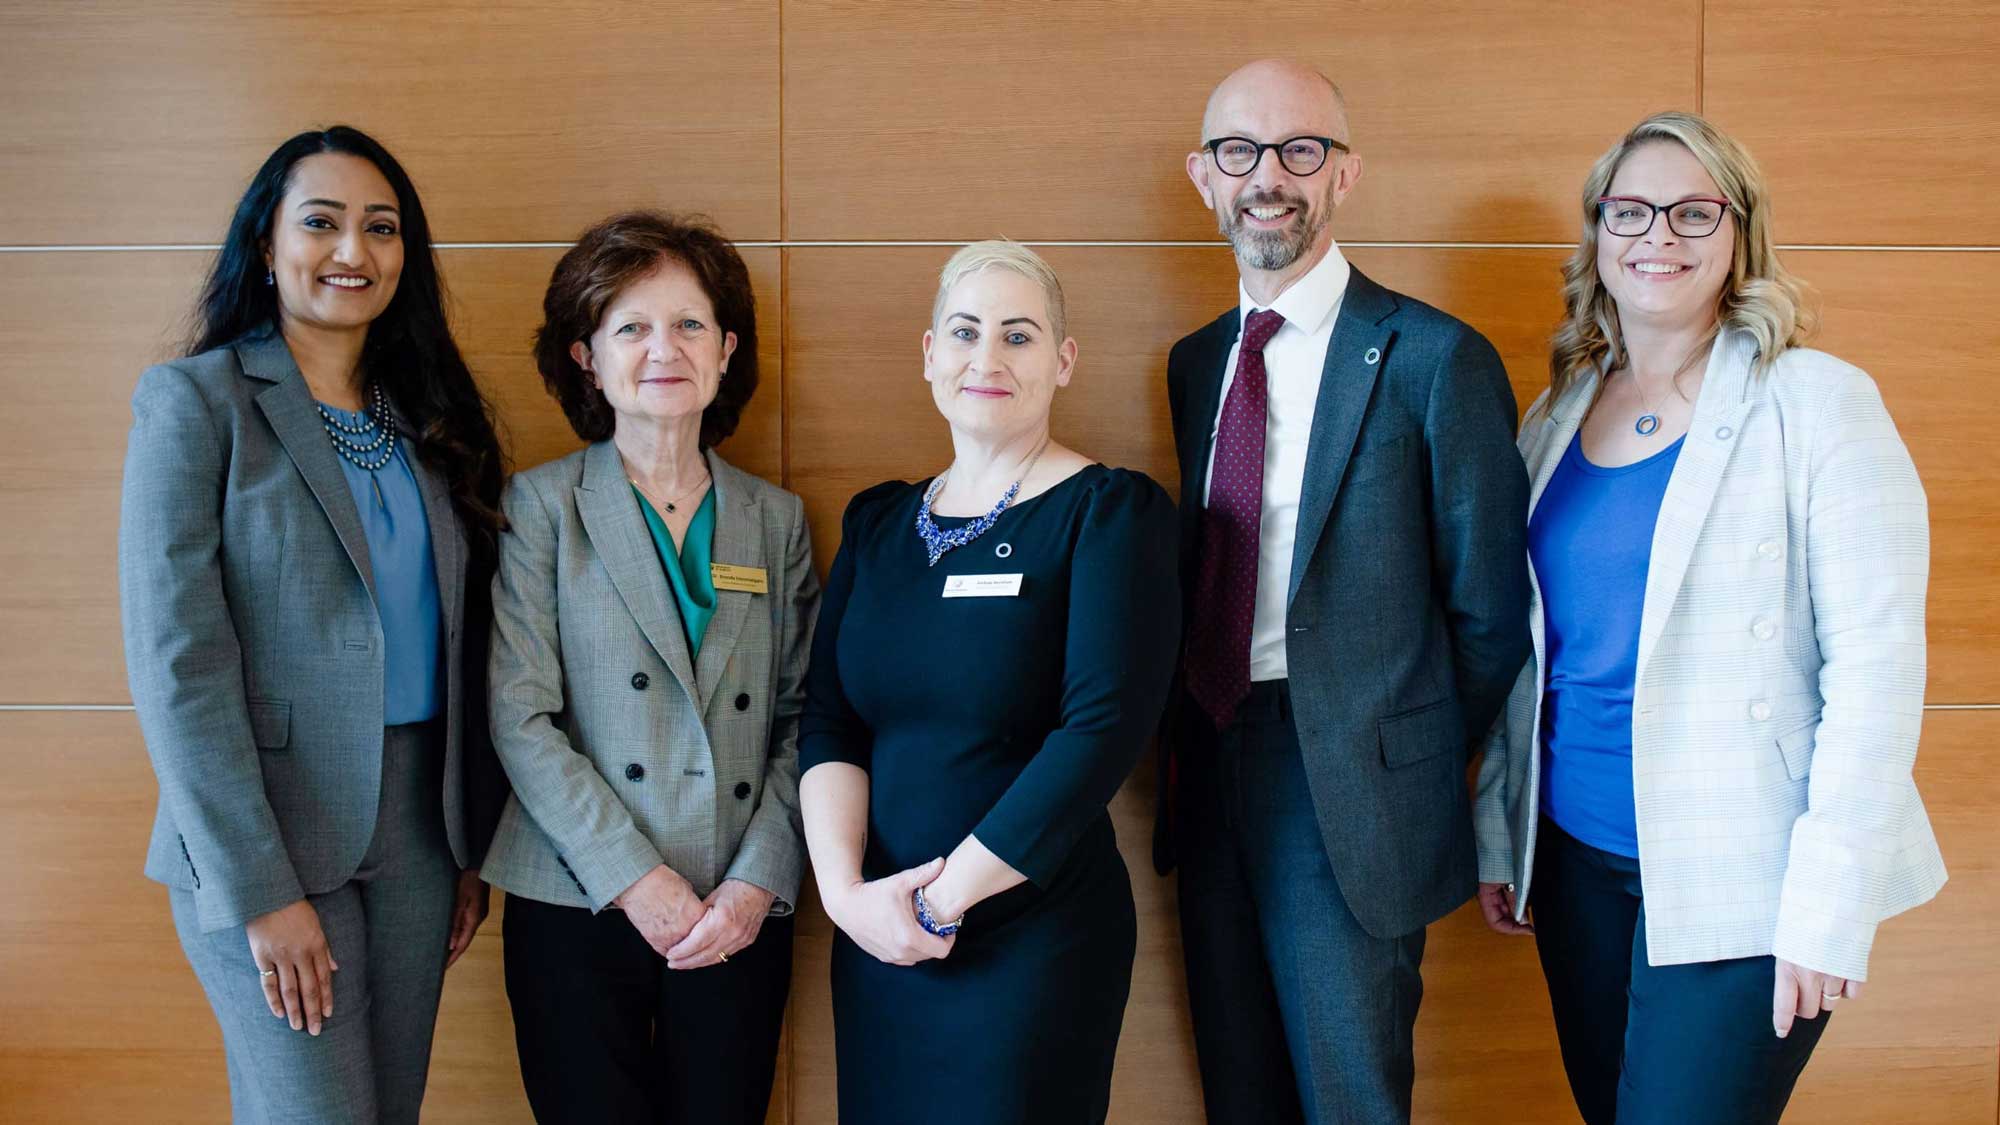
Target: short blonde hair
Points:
(1004, 254)
(1761, 297)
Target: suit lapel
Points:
(1554, 436)
(1204, 398)
(448, 548)
(739, 541)
(1544, 453)
(610, 515)
(288, 406)
(1354, 358)
(1204, 391)
(1712, 436)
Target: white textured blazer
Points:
(1780, 678)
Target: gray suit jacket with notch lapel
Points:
(1407, 616)
(252, 642)
(624, 753)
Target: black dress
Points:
(1013, 719)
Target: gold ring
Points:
(722, 958)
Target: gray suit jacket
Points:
(1409, 589)
(251, 636)
(623, 752)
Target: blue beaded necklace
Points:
(369, 444)
(937, 541)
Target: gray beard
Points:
(1266, 250)
(1272, 250)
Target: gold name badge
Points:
(748, 579)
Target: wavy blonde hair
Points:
(1761, 297)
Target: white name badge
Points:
(983, 586)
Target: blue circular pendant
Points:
(1646, 424)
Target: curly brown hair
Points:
(612, 255)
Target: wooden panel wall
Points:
(813, 127)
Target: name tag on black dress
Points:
(983, 586)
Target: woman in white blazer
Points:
(1702, 781)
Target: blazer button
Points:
(640, 680)
(1762, 629)
(634, 772)
(742, 790)
(1760, 711)
(1769, 551)
(743, 702)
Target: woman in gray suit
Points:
(307, 531)
(652, 615)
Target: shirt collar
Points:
(1311, 299)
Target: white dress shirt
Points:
(1293, 361)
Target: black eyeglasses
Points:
(1301, 156)
(1629, 217)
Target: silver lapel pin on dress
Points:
(1371, 356)
(1004, 550)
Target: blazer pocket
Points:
(1420, 734)
(1796, 748)
(270, 723)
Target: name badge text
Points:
(748, 579)
(983, 586)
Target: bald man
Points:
(1353, 555)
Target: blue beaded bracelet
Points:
(929, 921)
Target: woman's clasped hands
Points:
(692, 932)
(881, 917)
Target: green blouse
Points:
(687, 568)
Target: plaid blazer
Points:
(623, 751)
(1780, 677)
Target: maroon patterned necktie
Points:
(1218, 656)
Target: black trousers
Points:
(1301, 1017)
(1647, 1045)
(608, 1034)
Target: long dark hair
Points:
(409, 348)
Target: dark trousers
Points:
(1645, 1044)
(608, 1034)
(1300, 1015)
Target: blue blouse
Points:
(406, 587)
(1591, 542)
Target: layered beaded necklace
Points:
(937, 541)
(369, 444)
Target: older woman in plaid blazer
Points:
(1703, 779)
(651, 618)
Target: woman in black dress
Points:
(994, 649)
